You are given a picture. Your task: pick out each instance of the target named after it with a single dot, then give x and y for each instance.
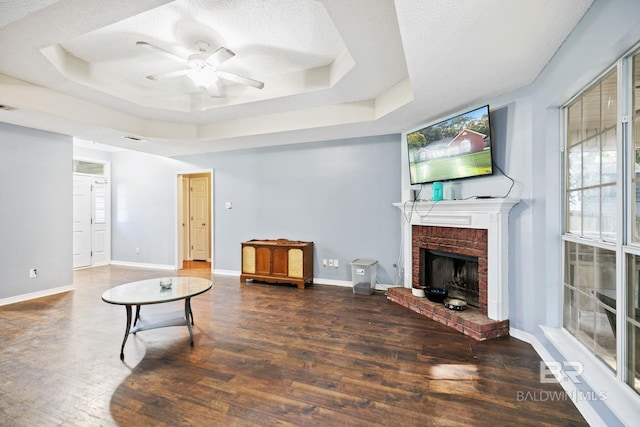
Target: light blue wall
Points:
(35, 210)
(143, 208)
(84, 153)
(338, 194)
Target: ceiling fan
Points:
(202, 67)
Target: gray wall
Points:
(36, 210)
(143, 208)
(338, 194)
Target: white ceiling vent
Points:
(134, 138)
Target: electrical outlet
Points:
(324, 262)
(336, 263)
(330, 263)
(137, 250)
(33, 273)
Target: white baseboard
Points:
(332, 282)
(621, 400)
(347, 283)
(616, 403)
(226, 272)
(316, 280)
(143, 265)
(38, 294)
(522, 336)
(584, 407)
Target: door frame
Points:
(178, 200)
(82, 220)
(107, 177)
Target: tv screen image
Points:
(456, 148)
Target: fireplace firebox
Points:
(459, 244)
(457, 273)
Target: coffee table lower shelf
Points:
(159, 321)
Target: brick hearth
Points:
(470, 322)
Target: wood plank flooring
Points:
(264, 355)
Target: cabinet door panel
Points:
(295, 263)
(263, 261)
(248, 259)
(280, 261)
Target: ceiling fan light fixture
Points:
(202, 78)
(203, 68)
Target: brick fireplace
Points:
(475, 229)
(450, 240)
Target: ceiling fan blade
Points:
(168, 75)
(161, 51)
(239, 79)
(219, 56)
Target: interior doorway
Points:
(91, 217)
(195, 221)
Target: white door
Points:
(184, 249)
(81, 221)
(100, 240)
(199, 218)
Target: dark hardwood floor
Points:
(264, 355)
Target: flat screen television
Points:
(456, 148)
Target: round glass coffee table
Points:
(157, 291)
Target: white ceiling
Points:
(332, 68)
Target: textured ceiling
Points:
(279, 55)
(331, 69)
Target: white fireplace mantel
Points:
(490, 214)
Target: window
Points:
(89, 168)
(633, 259)
(590, 206)
(602, 219)
(592, 161)
(99, 201)
(635, 174)
(633, 321)
(590, 298)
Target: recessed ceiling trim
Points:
(82, 72)
(37, 98)
(331, 115)
(394, 98)
(21, 93)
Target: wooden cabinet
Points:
(278, 261)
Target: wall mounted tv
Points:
(456, 148)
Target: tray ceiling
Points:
(331, 69)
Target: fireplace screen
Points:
(454, 272)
